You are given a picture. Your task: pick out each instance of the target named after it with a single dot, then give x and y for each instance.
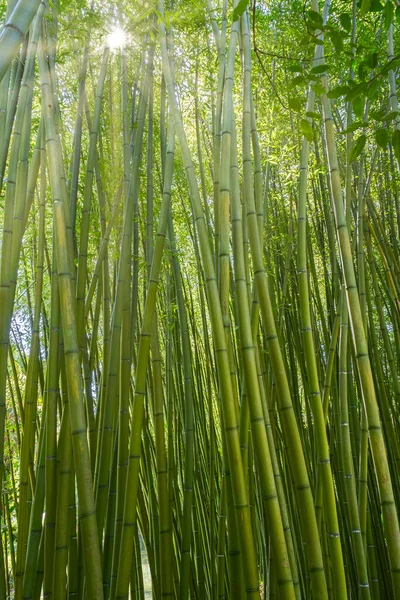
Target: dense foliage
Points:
(200, 299)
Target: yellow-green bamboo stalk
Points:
(91, 551)
(388, 506)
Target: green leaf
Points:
(315, 19)
(376, 6)
(382, 137)
(396, 144)
(353, 127)
(239, 9)
(365, 6)
(391, 116)
(357, 148)
(336, 39)
(372, 60)
(357, 91)
(388, 13)
(299, 80)
(295, 104)
(318, 89)
(358, 106)
(379, 115)
(390, 65)
(339, 90)
(372, 89)
(313, 115)
(345, 21)
(398, 14)
(320, 69)
(306, 129)
(296, 68)
(362, 69)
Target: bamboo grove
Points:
(200, 299)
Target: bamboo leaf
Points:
(382, 137)
(396, 144)
(313, 114)
(365, 6)
(356, 92)
(336, 39)
(357, 148)
(345, 21)
(306, 129)
(318, 88)
(239, 9)
(372, 60)
(388, 14)
(295, 68)
(295, 104)
(353, 127)
(315, 19)
(320, 69)
(299, 80)
(338, 91)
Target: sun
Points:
(116, 39)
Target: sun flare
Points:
(116, 38)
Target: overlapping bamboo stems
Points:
(393, 101)
(230, 421)
(211, 517)
(195, 334)
(28, 478)
(217, 579)
(4, 93)
(15, 207)
(15, 30)
(102, 481)
(87, 518)
(33, 569)
(388, 506)
(165, 558)
(162, 535)
(223, 270)
(325, 478)
(15, 79)
(122, 318)
(220, 41)
(34, 552)
(87, 200)
(52, 394)
(188, 397)
(119, 451)
(382, 309)
(289, 425)
(387, 416)
(109, 406)
(259, 419)
(122, 556)
(166, 547)
(188, 484)
(347, 459)
(103, 294)
(259, 437)
(135, 257)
